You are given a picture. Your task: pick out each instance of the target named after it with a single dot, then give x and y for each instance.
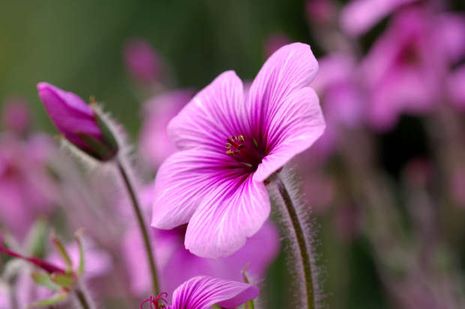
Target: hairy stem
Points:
(141, 222)
(299, 242)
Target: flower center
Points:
(244, 150)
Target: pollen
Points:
(235, 144)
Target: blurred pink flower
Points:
(229, 145)
(404, 69)
(204, 292)
(176, 264)
(359, 16)
(27, 191)
(142, 61)
(155, 145)
(77, 121)
(337, 85)
(15, 116)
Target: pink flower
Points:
(359, 16)
(229, 145)
(342, 101)
(404, 68)
(155, 145)
(176, 264)
(27, 191)
(204, 292)
(78, 122)
(142, 61)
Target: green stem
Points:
(297, 236)
(141, 222)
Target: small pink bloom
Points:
(359, 16)
(204, 292)
(77, 121)
(142, 61)
(230, 143)
(155, 145)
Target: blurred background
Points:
(386, 183)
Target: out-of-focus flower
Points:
(337, 85)
(15, 116)
(78, 122)
(203, 292)
(404, 68)
(229, 145)
(359, 16)
(142, 61)
(176, 264)
(155, 145)
(27, 190)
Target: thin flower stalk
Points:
(131, 190)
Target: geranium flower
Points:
(230, 143)
(204, 292)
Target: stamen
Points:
(155, 302)
(244, 150)
(235, 144)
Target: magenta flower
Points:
(230, 143)
(78, 122)
(204, 292)
(155, 145)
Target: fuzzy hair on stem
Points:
(298, 232)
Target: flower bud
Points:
(80, 124)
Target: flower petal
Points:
(211, 116)
(204, 292)
(290, 68)
(228, 215)
(182, 181)
(295, 125)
